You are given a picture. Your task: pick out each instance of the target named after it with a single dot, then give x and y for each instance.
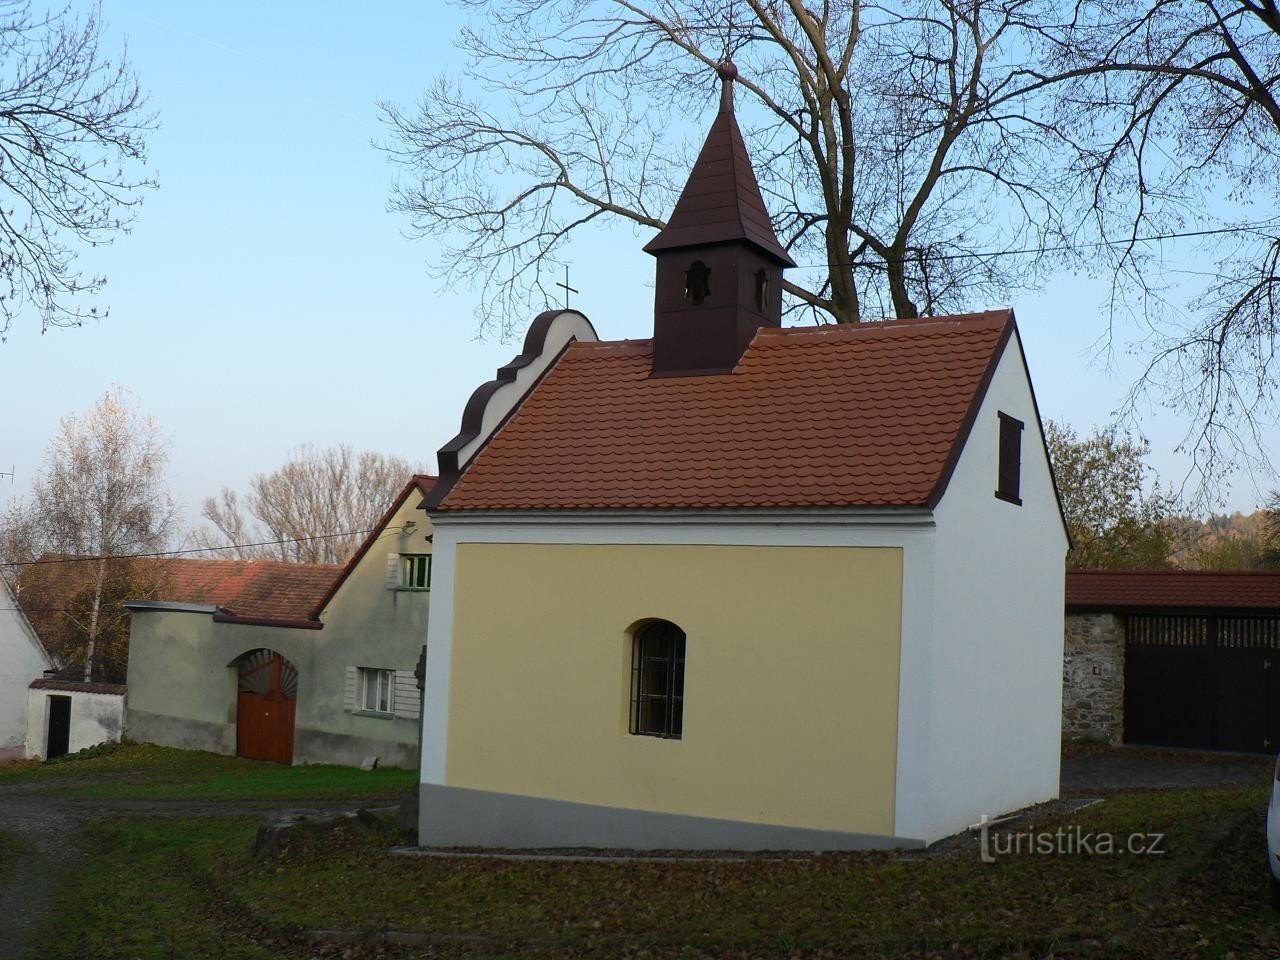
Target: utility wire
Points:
(189, 550)
(1255, 228)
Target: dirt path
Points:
(48, 828)
(50, 854)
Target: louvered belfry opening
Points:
(719, 263)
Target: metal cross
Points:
(10, 473)
(565, 286)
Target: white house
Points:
(23, 658)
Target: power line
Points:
(1255, 228)
(188, 550)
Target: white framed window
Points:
(376, 690)
(415, 571)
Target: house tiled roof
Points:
(857, 415)
(75, 686)
(1172, 590)
(265, 589)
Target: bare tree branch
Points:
(72, 127)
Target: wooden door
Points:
(265, 706)
(59, 727)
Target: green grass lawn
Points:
(158, 888)
(146, 772)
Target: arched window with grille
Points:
(657, 680)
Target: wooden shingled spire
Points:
(719, 263)
(721, 201)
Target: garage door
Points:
(1209, 682)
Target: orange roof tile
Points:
(858, 415)
(1173, 589)
(265, 589)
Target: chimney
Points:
(719, 263)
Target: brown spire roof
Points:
(721, 203)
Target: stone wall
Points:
(1093, 677)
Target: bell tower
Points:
(719, 263)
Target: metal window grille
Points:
(657, 680)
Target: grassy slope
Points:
(154, 884)
(145, 772)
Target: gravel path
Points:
(1142, 769)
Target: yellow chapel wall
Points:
(791, 679)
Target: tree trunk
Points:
(904, 308)
(93, 622)
(844, 293)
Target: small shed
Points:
(64, 716)
(1173, 658)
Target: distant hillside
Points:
(1234, 541)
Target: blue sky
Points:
(265, 297)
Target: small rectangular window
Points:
(377, 690)
(1009, 477)
(415, 571)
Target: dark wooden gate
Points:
(265, 707)
(1209, 681)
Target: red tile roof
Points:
(1173, 589)
(858, 415)
(721, 202)
(263, 589)
(76, 686)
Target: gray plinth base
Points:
(460, 817)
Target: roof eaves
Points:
(1035, 406)
(171, 606)
(971, 414)
(25, 626)
(294, 623)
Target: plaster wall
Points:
(22, 659)
(908, 534)
(790, 708)
(95, 718)
(996, 711)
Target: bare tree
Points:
(72, 129)
(100, 500)
(899, 144)
(314, 509)
(1180, 105)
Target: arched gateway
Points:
(266, 700)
